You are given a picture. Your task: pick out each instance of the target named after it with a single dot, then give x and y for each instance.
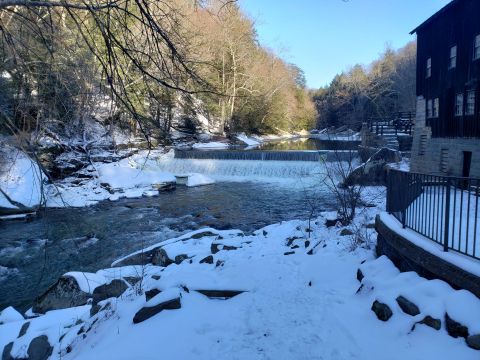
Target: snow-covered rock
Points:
(21, 182)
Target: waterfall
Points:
(259, 155)
(245, 170)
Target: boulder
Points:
(474, 342)
(39, 348)
(63, 294)
(346, 232)
(407, 306)
(360, 275)
(147, 312)
(220, 294)
(150, 294)
(387, 155)
(374, 170)
(207, 260)
(203, 234)
(6, 352)
(24, 328)
(114, 289)
(454, 328)
(432, 322)
(156, 256)
(382, 311)
(216, 247)
(180, 258)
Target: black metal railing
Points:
(402, 122)
(442, 208)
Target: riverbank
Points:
(286, 291)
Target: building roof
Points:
(436, 15)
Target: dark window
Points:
(436, 108)
(453, 57)
(470, 109)
(476, 48)
(429, 109)
(459, 104)
(429, 67)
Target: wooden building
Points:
(447, 129)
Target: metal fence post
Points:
(447, 215)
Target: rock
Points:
(6, 352)
(289, 253)
(156, 256)
(147, 312)
(219, 263)
(203, 234)
(454, 328)
(387, 155)
(114, 289)
(180, 258)
(207, 260)
(216, 247)
(374, 170)
(360, 275)
(474, 341)
(94, 310)
(24, 329)
(346, 232)
(149, 294)
(431, 322)
(63, 294)
(132, 280)
(39, 348)
(307, 243)
(407, 306)
(382, 311)
(294, 247)
(156, 277)
(331, 222)
(160, 258)
(165, 186)
(223, 294)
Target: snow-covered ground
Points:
(299, 301)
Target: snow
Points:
(211, 145)
(249, 141)
(9, 314)
(87, 282)
(199, 180)
(124, 175)
(21, 179)
(298, 306)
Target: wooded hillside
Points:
(378, 90)
(141, 65)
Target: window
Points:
(429, 67)
(459, 105)
(429, 109)
(436, 106)
(470, 109)
(443, 160)
(476, 48)
(423, 145)
(453, 57)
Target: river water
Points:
(34, 254)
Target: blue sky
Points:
(324, 37)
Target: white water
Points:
(302, 172)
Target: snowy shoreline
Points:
(229, 298)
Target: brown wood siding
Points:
(457, 26)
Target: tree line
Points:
(377, 91)
(62, 60)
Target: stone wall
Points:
(410, 257)
(427, 152)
